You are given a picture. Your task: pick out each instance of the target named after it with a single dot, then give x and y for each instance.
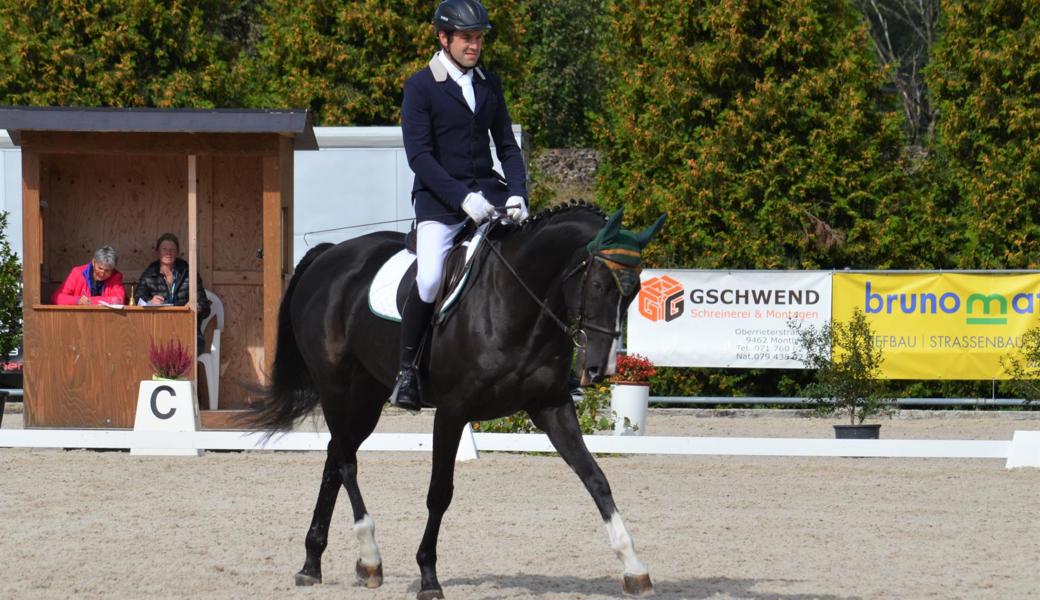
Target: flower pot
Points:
(161, 378)
(11, 380)
(857, 432)
(629, 401)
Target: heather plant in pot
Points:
(169, 361)
(847, 365)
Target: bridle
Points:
(577, 331)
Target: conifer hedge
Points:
(985, 79)
(347, 61)
(115, 53)
(760, 127)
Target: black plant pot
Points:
(857, 432)
(11, 380)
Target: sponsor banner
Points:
(725, 318)
(942, 325)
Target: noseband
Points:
(624, 276)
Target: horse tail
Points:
(291, 393)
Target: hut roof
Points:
(294, 123)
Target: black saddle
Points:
(454, 268)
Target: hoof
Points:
(638, 585)
(370, 577)
(429, 595)
(305, 579)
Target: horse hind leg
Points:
(369, 567)
(560, 423)
(355, 420)
(349, 428)
(318, 534)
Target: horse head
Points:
(609, 283)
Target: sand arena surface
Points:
(90, 524)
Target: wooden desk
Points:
(83, 364)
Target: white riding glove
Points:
(477, 207)
(516, 209)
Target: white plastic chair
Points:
(210, 361)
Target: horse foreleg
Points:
(446, 433)
(318, 534)
(560, 423)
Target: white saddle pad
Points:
(382, 295)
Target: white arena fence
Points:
(807, 402)
(1023, 450)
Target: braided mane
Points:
(548, 214)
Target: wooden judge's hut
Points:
(220, 180)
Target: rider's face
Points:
(464, 46)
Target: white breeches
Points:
(433, 240)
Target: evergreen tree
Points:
(113, 53)
(347, 61)
(985, 80)
(563, 85)
(759, 127)
(10, 293)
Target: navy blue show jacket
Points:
(448, 145)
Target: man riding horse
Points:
(542, 298)
(449, 109)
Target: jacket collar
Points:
(440, 72)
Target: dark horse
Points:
(504, 348)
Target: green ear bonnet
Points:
(622, 250)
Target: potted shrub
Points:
(630, 393)
(170, 361)
(847, 380)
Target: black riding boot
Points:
(415, 318)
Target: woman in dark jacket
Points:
(165, 281)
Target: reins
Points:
(577, 331)
(545, 307)
(370, 224)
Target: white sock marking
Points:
(365, 531)
(622, 544)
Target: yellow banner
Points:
(942, 325)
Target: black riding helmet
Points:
(461, 15)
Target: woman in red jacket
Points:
(93, 283)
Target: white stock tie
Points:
(466, 83)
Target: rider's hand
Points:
(516, 209)
(477, 207)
